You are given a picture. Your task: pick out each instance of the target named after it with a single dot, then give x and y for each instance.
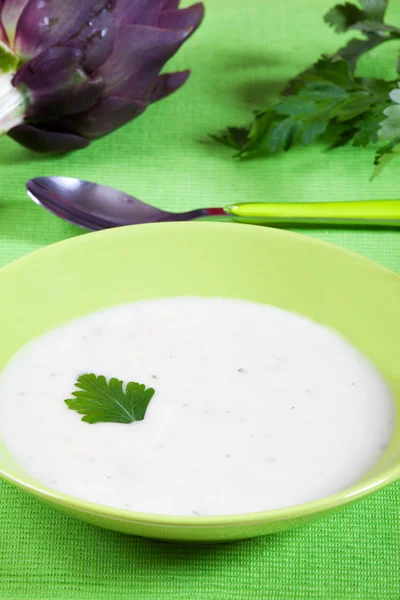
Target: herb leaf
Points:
(107, 402)
(343, 16)
(385, 154)
(375, 9)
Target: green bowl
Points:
(345, 291)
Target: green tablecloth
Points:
(240, 58)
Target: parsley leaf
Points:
(367, 129)
(107, 402)
(343, 16)
(349, 16)
(375, 9)
(385, 154)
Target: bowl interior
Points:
(334, 287)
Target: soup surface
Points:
(255, 408)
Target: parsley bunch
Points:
(328, 101)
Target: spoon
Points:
(93, 206)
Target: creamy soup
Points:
(255, 408)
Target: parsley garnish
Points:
(328, 101)
(107, 402)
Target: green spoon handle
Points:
(373, 212)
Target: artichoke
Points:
(72, 71)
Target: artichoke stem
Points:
(12, 104)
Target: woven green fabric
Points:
(240, 59)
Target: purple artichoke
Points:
(74, 70)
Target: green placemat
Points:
(240, 58)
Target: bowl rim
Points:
(296, 511)
(343, 497)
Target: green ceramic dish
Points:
(332, 286)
